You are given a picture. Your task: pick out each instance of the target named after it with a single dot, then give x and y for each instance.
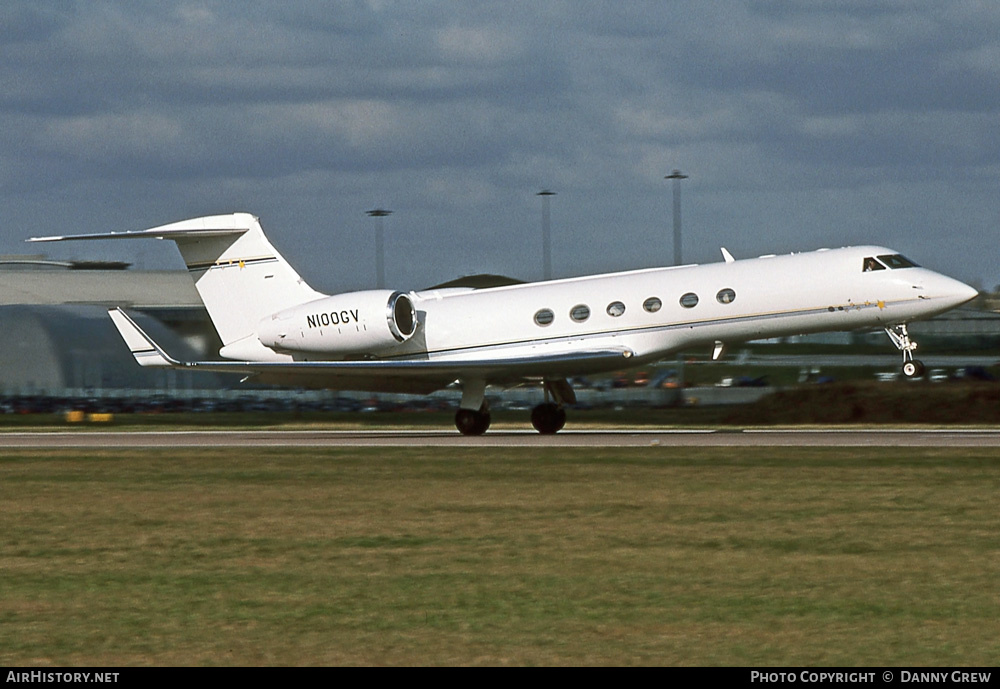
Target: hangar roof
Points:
(129, 288)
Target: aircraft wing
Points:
(381, 375)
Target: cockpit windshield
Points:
(888, 260)
(897, 261)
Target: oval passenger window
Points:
(580, 313)
(616, 308)
(544, 317)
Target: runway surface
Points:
(501, 438)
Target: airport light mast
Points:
(546, 234)
(677, 176)
(379, 214)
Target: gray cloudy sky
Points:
(801, 124)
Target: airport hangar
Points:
(59, 339)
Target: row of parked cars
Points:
(941, 375)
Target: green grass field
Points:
(662, 555)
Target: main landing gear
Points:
(473, 415)
(473, 422)
(548, 418)
(912, 368)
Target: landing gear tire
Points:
(913, 368)
(471, 422)
(548, 418)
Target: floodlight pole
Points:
(677, 176)
(379, 214)
(546, 234)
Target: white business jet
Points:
(276, 329)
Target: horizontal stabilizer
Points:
(211, 226)
(145, 351)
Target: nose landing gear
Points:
(912, 368)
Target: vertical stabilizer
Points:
(239, 275)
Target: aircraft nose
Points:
(967, 292)
(954, 292)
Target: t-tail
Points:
(240, 277)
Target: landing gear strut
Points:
(473, 422)
(912, 368)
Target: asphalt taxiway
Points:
(876, 437)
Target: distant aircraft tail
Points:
(239, 275)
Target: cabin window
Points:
(580, 313)
(689, 300)
(615, 309)
(652, 304)
(871, 264)
(726, 296)
(897, 261)
(544, 317)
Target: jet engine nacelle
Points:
(351, 323)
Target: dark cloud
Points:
(801, 123)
